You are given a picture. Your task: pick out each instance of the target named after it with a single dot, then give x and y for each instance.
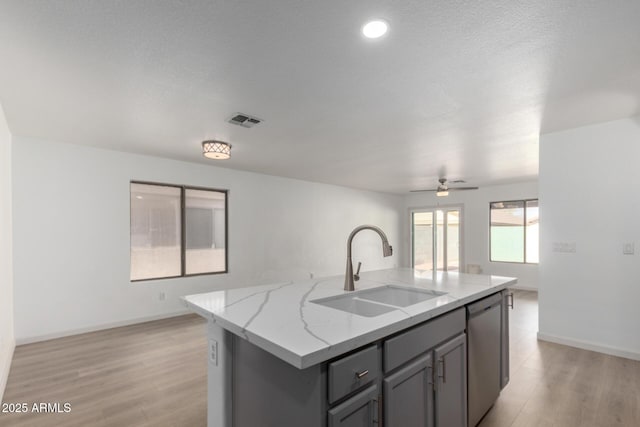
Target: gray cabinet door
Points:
(451, 383)
(359, 411)
(408, 395)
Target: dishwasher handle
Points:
(512, 304)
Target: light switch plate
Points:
(628, 249)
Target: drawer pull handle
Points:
(362, 374)
(444, 370)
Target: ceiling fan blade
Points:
(462, 188)
(419, 191)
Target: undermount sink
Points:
(377, 301)
(398, 296)
(352, 304)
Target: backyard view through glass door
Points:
(435, 239)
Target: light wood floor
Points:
(151, 374)
(154, 374)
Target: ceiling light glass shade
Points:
(216, 150)
(374, 29)
(442, 193)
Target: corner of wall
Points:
(5, 366)
(7, 328)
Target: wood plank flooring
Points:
(154, 374)
(150, 374)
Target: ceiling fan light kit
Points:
(443, 189)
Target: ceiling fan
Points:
(443, 189)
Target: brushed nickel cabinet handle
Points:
(376, 407)
(444, 370)
(359, 375)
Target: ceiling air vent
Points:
(244, 120)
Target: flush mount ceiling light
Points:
(375, 28)
(216, 150)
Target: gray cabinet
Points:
(431, 390)
(351, 373)
(416, 378)
(426, 381)
(360, 410)
(451, 383)
(269, 392)
(353, 385)
(408, 395)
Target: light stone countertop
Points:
(280, 318)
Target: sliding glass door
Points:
(435, 239)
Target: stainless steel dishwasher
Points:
(484, 355)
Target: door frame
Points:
(445, 208)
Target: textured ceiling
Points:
(459, 88)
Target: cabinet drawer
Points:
(350, 373)
(409, 344)
(360, 410)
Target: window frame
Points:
(183, 226)
(524, 232)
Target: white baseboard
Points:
(5, 367)
(591, 346)
(46, 337)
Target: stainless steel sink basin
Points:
(377, 301)
(352, 304)
(398, 296)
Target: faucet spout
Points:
(387, 250)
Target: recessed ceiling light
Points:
(374, 29)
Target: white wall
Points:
(476, 226)
(7, 342)
(71, 228)
(590, 196)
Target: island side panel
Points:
(219, 376)
(269, 392)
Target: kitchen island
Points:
(272, 349)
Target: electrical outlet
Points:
(162, 296)
(213, 352)
(628, 249)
